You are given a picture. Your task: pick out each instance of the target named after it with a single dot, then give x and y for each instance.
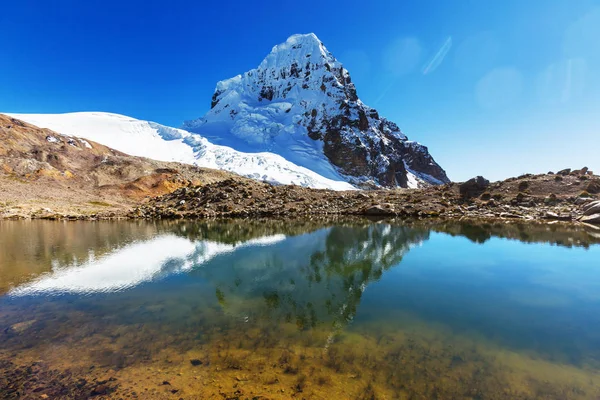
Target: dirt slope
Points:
(43, 173)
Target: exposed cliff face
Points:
(301, 103)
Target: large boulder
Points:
(379, 210)
(474, 187)
(593, 187)
(565, 171)
(591, 208)
(591, 219)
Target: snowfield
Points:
(148, 139)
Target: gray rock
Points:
(565, 171)
(591, 208)
(474, 186)
(20, 327)
(551, 199)
(384, 209)
(591, 219)
(583, 200)
(509, 215)
(557, 217)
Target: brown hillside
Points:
(43, 172)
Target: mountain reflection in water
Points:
(382, 308)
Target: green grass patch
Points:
(100, 203)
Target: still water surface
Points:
(272, 310)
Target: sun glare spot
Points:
(437, 59)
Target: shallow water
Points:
(360, 310)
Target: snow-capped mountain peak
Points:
(295, 119)
(301, 103)
(305, 47)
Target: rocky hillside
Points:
(565, 196)
(301, 103)
(43, 172)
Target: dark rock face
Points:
(565, 171)
(591, 219)
(592, 208)
(474, 187)
(593, 187)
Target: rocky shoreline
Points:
(567, 196)
(564, 196)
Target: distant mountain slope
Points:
(301, 103)
(42, 169)
(159, 142)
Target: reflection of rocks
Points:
(197, 243)
(235, 231)
(530, 232)
(51, 245)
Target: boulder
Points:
(486, 196)
(593, 187)
(591, 219)
(383, 209)
(551, 199)
(20, 327)
(557, 217)
(473, 187)
(565, 171)
(591, 208)
(523, 185)
(583, 200)
(510, 215)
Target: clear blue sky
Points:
(491, 87)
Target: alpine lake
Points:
(269, 309)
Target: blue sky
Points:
(496, 88)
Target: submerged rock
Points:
(20, 327)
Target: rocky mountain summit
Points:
(301, 103)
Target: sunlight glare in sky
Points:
(402, 56)
(477, 53)
(562, 81)
(499, 87)
(437, 59)
(582, 38)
